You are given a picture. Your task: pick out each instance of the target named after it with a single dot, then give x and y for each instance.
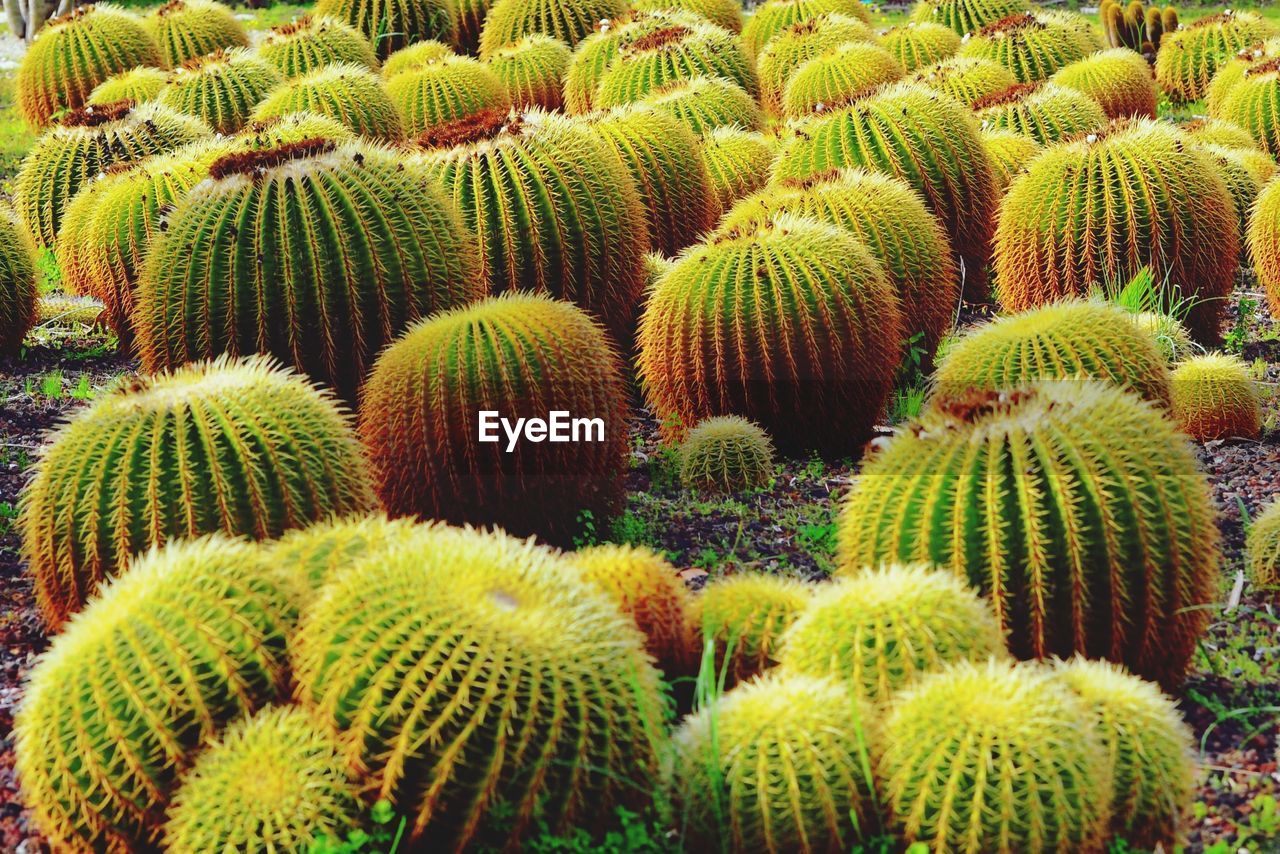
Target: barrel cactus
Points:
(570, 21)
(744, 618)
(1245, 171)
(726, 454)
(391, 24)
(532, 69)
(1252, 102)
(799, 43)
(654, 60)
(189, 29)
(1031, 45)
(1045, 112)
(1264, 242)
(966, 16)
(1118, 79)
(309, 43)
(67, 311)
(1218, 132)
(288, 129)
(314, 555)
(191, 639)
(273, 781)
(916, 45)
(351, 94)
(774, 16)
(968, 79)
(956, 752)
(1189, 57)
(1171, 337)
(221, 88)
(726, 14)
(458, 629)
(704, 104)
(1009, 154)
(738, 161)
(17, 284)
(138, 85)
(1214, 397)
(415, 56)
(1262, 548)
(1231, 72)
(437, 93)
(1164, 207)
(781, 764)
(837, 78)
(1065, 564)
(73, 54)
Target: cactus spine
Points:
(351, 94)
(650, 60)
(1215, 398)
(726, 454)
(190, 29)
(1009, 154)
(310, 43)
(705, 104)
(391, 24)
(221, 89)
(965, 78)
(414, 57)
(726, 14)
(774, 16)
(532, 69)
(438, 93)
(799, 43)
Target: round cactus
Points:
(288, 129)
(192, 638)
(929, 141)
(726, 14)
(1215, 398)
(1095, 211)
(315, 554)
(1218, 132)
(138, 85)
(1246, 171)
(1264, 242)
(520, 356)
(392, 24)
(562, 713)
(1118, 79)
(1191, 55)
(1252, 102)
(1031, 45)
(738, 161)
(17, 285)
(1064, 341)
(774, 16)
(1009, 154)
(957, 749)
(595, 53)
(792, 324)
(726, 454)
(916, 45)
(189, 29)
(1171, 337)
(73, 54)
(437, 93)
(654, 60)
(414, 57)
(335, 250)
(778, 765)
(531, 69)
(705, 104)
(1231, 72)
(1043, 111)
(310, 43)
(271, 453)
(837, 78)
(799, 43)
(58, 309)
(966, 16)
(1066, 562)
(221, 89)
(1148, 746)
(555, 211)
(745, 617)
(351, 94)
(272, 782)
(968, 79)
(570, 21)
(1262, 548)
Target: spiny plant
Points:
(1214, 397)
(653, 60)
(288, 129)
(60, 309)
(1031, 45)
(85, 143)
(957, 749)
(563, 710)
(744, 617)
(792, 324)
(17, 284)
(237, 446)
(73, 54)
(726, 14)
(592, 57)
(968, 79)
(138, 85)
(273, 781)
(336, 249)
(726, 454)
(309, 43)
(1264, 242)
(704, 104)
(1163, 206)
(351, 94)
(192, 638)
(916, 45)
(1251, 104)
(1189, 57)
(880, 630)
(532, 69)
(774, 16)
(1045, 112)
(1171, 337)
(1233, 71)
(576, 227)
(1219, 132)
(779, 764)
(317, 553)
(1063, 341)
(221, 88)
(837, 78)
(570, 21)
(1246, 171)
(1065, 563)
(799, 43)
(1137, 27)
(1118, 79)
(1148, 747)
(415, 56)
(189, 29)
(929, 141)
(392, 24)
(471, 15)
(1262, 547)
(966, 16)
(738, 161)
(1009, 153)
(437, 93)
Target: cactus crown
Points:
(97, 115)
(256, 162)
(1012, 95)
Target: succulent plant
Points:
(837, 78)
(726, 454)
(532, 69)
(1118, 79)
(797, 44)
(351, 94)
(1189, 57)
(309, 43)
(651, 60)
(414, 57)
(780, 764)
(957, 749)
(138, 85)
(929, 141)
(1214, 397)
(314, 555)
(520, 356)
(273, 781)
(486, 680)
(60, 309)
(592, 57)
(555, 211)
(17, 284)
(966, 16)
(73, 54)
(1171, 337)
(1264, 242)
(570, 21)
(1252, 102)
(1009, 153)
(288, 129)
(917, 45)
(739, 163)
(1065, 564)
(1219, 132)
(190, 639)
(1232, 71)
(1046, 112)
(774, 16)
(705, 104)
(1094, 211)
(438, 93)
(965, 78)
(1031, 45)
(726, 14)
(221, 88)
(745, 617)
(1262, 547)
(189, 29)
(1136, 27)
(87, 142)
(392, 24)
(1246, 171)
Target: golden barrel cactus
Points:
(1009, 153)
(738, 161)
(1190, 56)
(309, 43)
(916, 45)
(1214, 397)
(743, 619)
(968, 79)
(1046, 112)
(17, 284)
(1032, 45)
(440, 92)
(799, 43)
(1118, 79)
(189, 29)
(966, 16)
(1262, 548)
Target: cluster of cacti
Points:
(519, 356)
(597, 51)
(837, 78)
(17, 284)
(1190, 56)
(1171, 337)
(1214, 397)
(738, 161)
(1031, 45)
(726, 454)
(650, 60)
(799, 43)
(1233, 70)
(726, 14)
(705, 104)
(1251, 105)
(192, 638)
(534, 693)
(59, 309)
(916, 45)
(1044, 112)
(138, 85)
(1118, 79)
(76, 52)
(1262, 547)
(1009, 153)
(744, 618)
(189, 29)
(391, 24)
(774, 16)
(1065, 562)
(531, 69)
(968, 79)
(310, 43)
(570, 21)
(1136, 27)
(221, 89)
(966, 16)
(351, 94)
(437, 93)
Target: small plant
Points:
(1262, 548)
(310, 43)
(1215, 398)
(726, 454)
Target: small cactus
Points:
(838, 78)
(739, 163)
(1215, 398)
(966, 16)
(1171, 337)
(1190, 56)
(17, 285)
(1009, 154)
(221, 89)
(774, 16)
(73, 312)
(1031, 45)
(391, 24)
(309, 43)
(532, 69)
(1251, 104)
(1136, 27)
(705, 104)
(968, 79)
(351, 94)
(799, 43)
(917, 45)
(438, 93)
(1118, 79)
(726, 454)
(650, 60)
(1262, 548)
(190, 29)
(1045, 112)
(138, 85)
(726, 14)
(744, 618)
(570, 21)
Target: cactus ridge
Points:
(917, 45)
(1189, 57)
(1118, 79)
(441, 92)
(17, 284)
(738, 161)
(221, 89)
(838, 78)
(1043, 111)
(966, 16)
(799, 43)
(188, 29)
(726, 454)
(138, 85)
(1031, 45)
(391, 24)
(655, 59)
(570, 21)
(968, 79)
(745, 617)
(532, 69)
(1214, 397)
(704, 104)
(309, 43)
(349, 93)
(774, 16)
(1262, 548)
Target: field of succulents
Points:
(640, 426)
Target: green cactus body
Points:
(138, 85)
(654, 60)
(310, 43)
(1095, 211)
(76, 52)
(799, 43)
(351, 94)
(88, 142)
(438, 93)
(1214, 397)
(531, 69)
(704, 104)
(957, 749)
(591, 59)
(726, 14)
(570, 21)
(774, 16)
(968, 79)
(966, 16)
(776, 765)
(792, 324)
(1233, 71)
(414, 57)
(726, 454)
(192, 638)
(1264, 242)
(1262, 548)
(1189, 58)
(555, 211)
(926, 139)
(471, 15)
(1009, 154)
(189, 29)
(745, 618)
(71, 312)
(315, 252)
(288, 129)
(1065, 503)
(317, 553)
(392, 24)
(1031, 45)
(1118, 79)
(1171, 337)
(837, 78)
(221, 89)
(1252, 104)
(1219, 132)
(1246, 171)
(1043, 111)
(917, 45)
(532, 689)
(17, 284)
(522, 356)
(273, 782)
(738, 161)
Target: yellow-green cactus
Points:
(705, 104)
(138, 85)
(1262, 548)
(352, 94)
(221, 88)
(437, 93)
(799, 43)
(1046, 112)
(774, 16)
(837, 78)
(968, 79)
(309, 43)
(570, 21)
(966, 16)
(1009, 154)
(744, 617)
(391, 24)
(726, 454)
(1214, 397)
(1032, 45)
(738, 161)
(916, 45)
(1118, 79)
(1190, 56)
(189, 29)
(532, 69)
(17, 284)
